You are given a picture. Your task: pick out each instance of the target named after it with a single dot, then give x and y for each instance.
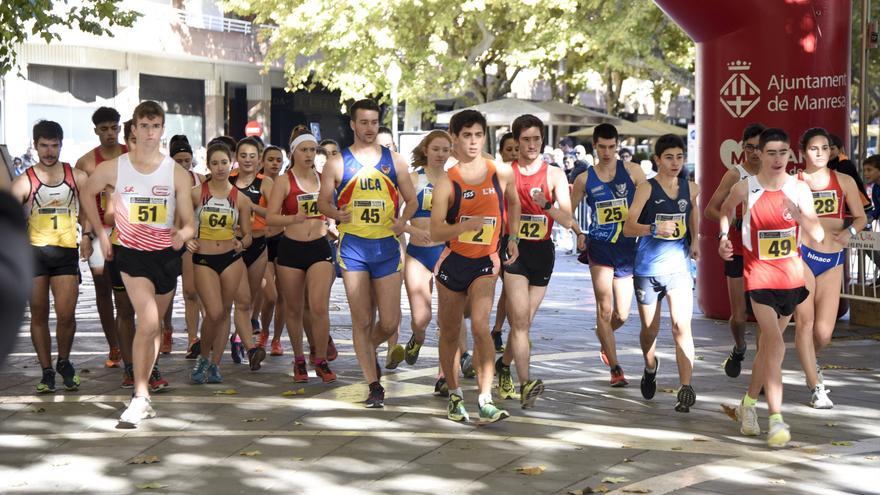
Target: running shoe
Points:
(820, 377)
(686, 398)
(236, 349)
(68, 374)
(498, 341)
(376, 399)
(332, 352)
(195, 348)
(263, 339)
(778, 435)
(819, 398)
(617, 378)
(277, 350)
(324, 372)
(441, 389)
(138, 410)
(649, 381)
(455, 409)
(256, 356)
(300, 373)
(603, 357)
(490, 414)
(529, 392)
(127, 377)
(412, 351)
(733, 363)
(157, 383)
(467, 365)
(214, 374)
(394, 357)
(114, 358)
(748, 420)
(200, 371)
(506, 387)
(47, 383)
(167, 339)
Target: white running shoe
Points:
(819, 399)
(138, 409)
(748, 419)
(778, 435)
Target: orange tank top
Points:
(485, 199)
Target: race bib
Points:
(147, 210)
(611, 211)
(308, 204)
(680, 225)
(45, 219)
(427, 198)
(777, 244)
(825, 202)
(367, 211)
(483, 236)
(216, 218)
(102, 200)
(533, 227)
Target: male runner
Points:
(609, 187)
(467, 212)
(733, 269)
(776, 206)
(538, 186)
(368, 182)
(149, 188)
(107, 128)
(50, 192)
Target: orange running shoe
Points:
(165, 348)
(263, 339)
(277, 350)
(323, 370)
(300, 374)
(617, 378)
(114, 358)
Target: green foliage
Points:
(41, 18)
(873, 103)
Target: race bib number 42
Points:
(611, 211)
(532, 227)
(825, 202)
(147, 210)
(308, 204)
(367, 211)
(777, 244)
(680, 225)
(483, 236)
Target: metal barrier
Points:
(861, 285)
(214, 23)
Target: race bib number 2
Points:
(147, 210)
(777, 244)
(483, 236)
(532, 227)
(611, 211)
(367, 211)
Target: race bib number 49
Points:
(825, 202)
(533, 227)
(367, 211)
(147, 210)
(308, 204)
(611, 211)
(777, 244)
(483, 236)
(680, 225)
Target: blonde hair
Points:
(420, 152)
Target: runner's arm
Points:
(21, 188)
(561, 211)
(245, 206)
(728, 213)
(632, 227)
(440, 230)
(266, 191)
(694, 222)
(97, 182)
(183, 208)
(514, 208)
(853, 202)
(332, 173)
(636, 173)
(805, 213)
(577, 195)
(713, 209)
(280, 190)
(407, 193)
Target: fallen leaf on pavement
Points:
(842, 443)
(614, 479)
(289, 393)
(872, 457)
(831, 425)
(297, 423)
(636, 490)
(729, 411)
(250, 453)
(531, 470)
(150, 486)
(677, 448)
(37, 410)
(297, 459)
(700, 439)
(698, 358)
(627, 459)
(667, 390)
(777, 482)
(253, 420)
(85, 371)
(810, 450)
(143, 459)
(228, 391)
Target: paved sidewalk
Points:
(246, 436)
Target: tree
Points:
(23, 18)
(873, 83)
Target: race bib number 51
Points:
(147, 210)
(777, 244)
(483, 236)
(611, 211)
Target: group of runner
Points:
(259, 244)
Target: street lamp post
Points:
(394, 74)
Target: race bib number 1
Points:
(777, 244)
(825, 202)
(367, 211)
(680, 226)
(483, 236)
(308, 204)
(147, 210)
(53, 219)
(611, 211)
(532, 227)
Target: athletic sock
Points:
(748, 401)
(740, 350)
(484, 398)
(653, 370)
(776, 418)
(457, 392)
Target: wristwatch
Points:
(91, 235)
(653, 228)
(547, 206)
(722, 234)
(853, 231)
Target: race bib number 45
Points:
(611, 211)
(147, 210)
(532, 227)
(367, 211)
(308, 204)
(680, 225)
(483, 236)
(825, 202)
(777, 244)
